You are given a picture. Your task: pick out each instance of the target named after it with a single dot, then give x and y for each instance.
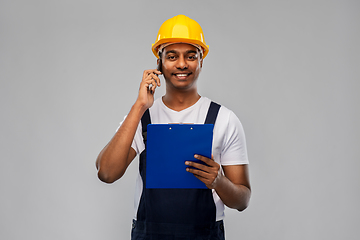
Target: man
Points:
(185, 213)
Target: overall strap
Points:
(145, 120)
(212, 113)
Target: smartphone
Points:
(159, 66)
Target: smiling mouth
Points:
(181, 75)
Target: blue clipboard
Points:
(168, 147)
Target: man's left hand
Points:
(209, 174)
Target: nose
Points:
(181, 63)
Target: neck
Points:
(180, 100)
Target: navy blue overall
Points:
(176, 213)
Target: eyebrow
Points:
(175, 52)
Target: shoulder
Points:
(227, 122)
(225, 115)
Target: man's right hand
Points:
(148, 85)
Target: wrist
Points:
(219, 181)
(139, 107)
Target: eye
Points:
(192, 57)
(171, 57)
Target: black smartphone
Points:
(159, 66)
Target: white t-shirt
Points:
(229, 145)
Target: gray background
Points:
(70, 71)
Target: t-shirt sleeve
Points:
(137, 143)
(234, 150)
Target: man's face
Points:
(181, 65)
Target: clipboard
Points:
(168, 147)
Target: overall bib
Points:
(165, 214)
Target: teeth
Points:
(181, 75)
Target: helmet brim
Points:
(179, 40)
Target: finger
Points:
(197, 172)
(147, 86)
(155, 77)
(148, 72)
(201, 178)
(149, 82)
(150, 85)
(158, 81)
(157, 72)
(205, 180)
(206, 160)
(198, 166)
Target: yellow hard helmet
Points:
(180, 29)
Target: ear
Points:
(157, 62)
(201, 62)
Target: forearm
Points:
(114, 159)
(233, 195)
